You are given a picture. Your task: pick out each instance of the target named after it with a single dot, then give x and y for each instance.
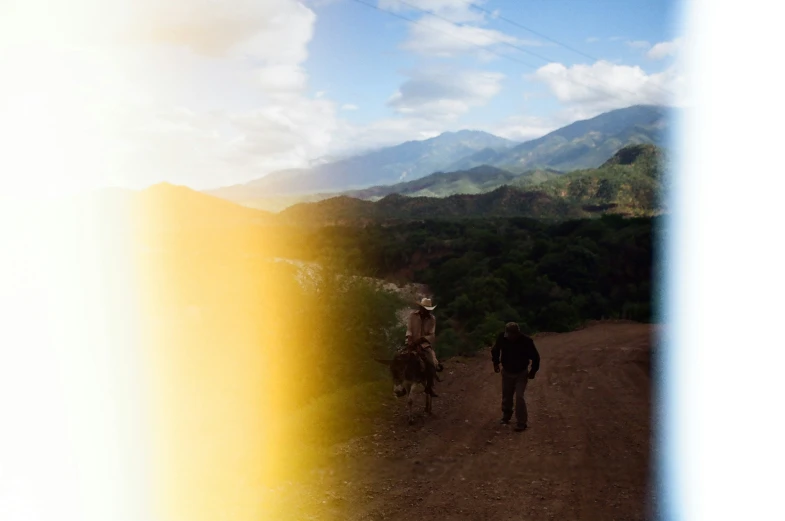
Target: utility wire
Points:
(520, 26)
(544, 37)
(460, 24)
(418, 22)
(444, 32)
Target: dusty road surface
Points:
(585, 455)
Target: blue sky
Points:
(356, 57)
(134, 92)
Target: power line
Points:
(445, 32)
(516, 24)
(459, 24)
(545, 37)
(484, 48)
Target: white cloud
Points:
(351, 139)
(592, 39)
(523, 128)
(638, 44)
(459, 11)
(452, 29)
(206, 149)
(320, 3)
(444, 93)
(436, 37)
(215, 93)
(204, 94)
(282, 79)
(532, 95)
(664, 49)
(201, 94)
(349, 106)
(585, 91)
(591, 89)
(429, 103)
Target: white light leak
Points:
(72, 441)
(72, 394)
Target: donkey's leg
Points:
(410, 387)
(428, 403)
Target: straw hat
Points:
(427, 304)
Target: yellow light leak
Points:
(146, 368)
(224, 360)
(147, 356)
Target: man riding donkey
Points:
(421, 337)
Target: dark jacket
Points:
(514, 355)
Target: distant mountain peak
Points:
(467, 132)
(408, 161)
(464, 134)
(582, 144)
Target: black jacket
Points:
(514, 355)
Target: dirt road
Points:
(584, 457)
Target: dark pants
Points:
(514, 384)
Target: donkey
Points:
(408, 376)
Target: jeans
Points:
(514, 384)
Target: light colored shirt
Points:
(419, 327)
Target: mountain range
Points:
(580, 145)
(404, 162)
(583, 144)
(628, 183)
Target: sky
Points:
(208, 93)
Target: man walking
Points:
(514, 350)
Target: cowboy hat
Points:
(427, 304)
